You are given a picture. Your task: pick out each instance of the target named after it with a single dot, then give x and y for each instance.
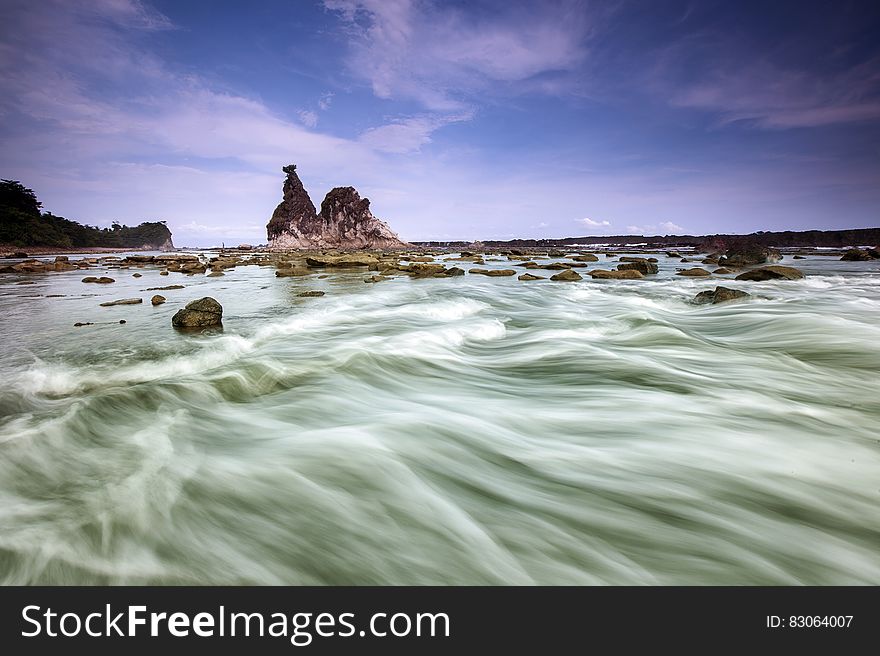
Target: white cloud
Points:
(325, 101)
(666, 227)
(594, 224)
(308, 118)
(669, 226)
(406, 135)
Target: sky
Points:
(460, 120)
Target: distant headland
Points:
(24, 226)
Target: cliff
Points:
(345, 220)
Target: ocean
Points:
(468, 430)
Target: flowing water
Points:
(451, 431)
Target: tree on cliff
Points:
(22, 224)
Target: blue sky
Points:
(459, 120)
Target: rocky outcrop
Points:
(345, 220)
(719, 295)
(775, 272)
(202, 313)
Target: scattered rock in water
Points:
(587, 257)
(625, 274)
(215, 274)
(162, 289)
(82, 323)
(136, 275)
(292, 272)
(421, 258)
(163, 272)
(123, 301)
(103, 280)
(746, 252)
(454, 271)
(773, 272)
(695, 271)
(529, 276)
(315, 294)
(26, 282)
(158, 299)
(423, 269)
(684, 259)
(55, 295)
(798, 257)
(642, 266)
(859, 255)
(567, 275)
(122, 321)
(17, 255)
(673, 254)
(719, 295)
(201, 313)
(373, 279)
(556, 266)
(494, 272)
(721, 271)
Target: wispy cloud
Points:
(437, 55)
(666, 228)
(308, 118)
(594, 224)
(407, 135)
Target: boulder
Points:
(201, 313)
(695, 271)
(719, 295)
(587, 257)
(454, 271)
(493, 272)
(529, 276)
(626, 274)
(747, 252)
(774, 272)
(136, 275)
(721, 271)
(123, 301)
(158, 299)
(859, 255)
(642, 266)
(567, 275)
(103, 280)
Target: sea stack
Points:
(345, 220)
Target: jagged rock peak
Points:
(345, 220)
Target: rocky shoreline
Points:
(748, 264)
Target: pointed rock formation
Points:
(345, 220)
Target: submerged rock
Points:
(695, 271)
(567, 275)
(161, 289)
(123, 301)
(719, 295)
(201, 313)
(774, 272)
